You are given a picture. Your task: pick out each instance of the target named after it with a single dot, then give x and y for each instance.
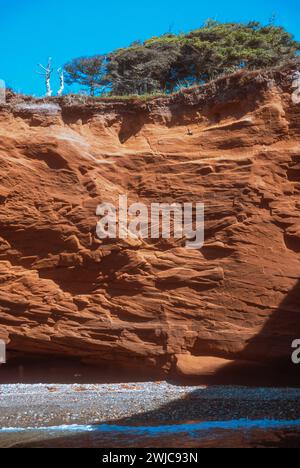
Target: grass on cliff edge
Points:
(243, 75)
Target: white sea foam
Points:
(240, 424)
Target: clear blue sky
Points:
(33, 30)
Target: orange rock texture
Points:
(153, 304)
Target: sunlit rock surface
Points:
(234, 145)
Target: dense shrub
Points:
(170, 61)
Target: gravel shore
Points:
(25, 406)
(148, 415)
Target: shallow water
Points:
(234, 433)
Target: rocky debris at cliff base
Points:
(24, 406)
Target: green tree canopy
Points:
(166, 62)
(87, 71)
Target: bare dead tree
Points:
(296, 88)
(47, 72)
(61, 75)
(2, 91)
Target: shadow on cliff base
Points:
(50, 370)
(269, 353)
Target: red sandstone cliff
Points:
(154, 304)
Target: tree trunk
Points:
(2, 92)
(62, 81)
(48, 85)
(296, 87)
(47, 71)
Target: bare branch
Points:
(47, 74)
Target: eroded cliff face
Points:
(235, 145)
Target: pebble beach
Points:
(38, 414)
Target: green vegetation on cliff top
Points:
(170, 62)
